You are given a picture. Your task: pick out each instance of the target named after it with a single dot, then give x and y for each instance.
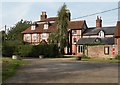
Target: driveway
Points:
(65, 71)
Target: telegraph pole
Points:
(5, 29)
(5, 33)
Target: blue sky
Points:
(12, 12)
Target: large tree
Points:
(62, 24)
(14, 34)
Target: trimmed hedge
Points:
(47, 50)
(7, 49)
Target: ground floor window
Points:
(80, 48)
(106, 50)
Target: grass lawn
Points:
(102, 60)
(10, 66)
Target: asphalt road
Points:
(65, 71)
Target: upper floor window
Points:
(44, 36)
(46, 26)
(101, 34)
(33, 27)
(74, 40)
(74, 32)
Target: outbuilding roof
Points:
(106, 40)
(95, 31)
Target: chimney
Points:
(69, 14)
(98, 22)
(43, 16)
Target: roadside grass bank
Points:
(10, 66)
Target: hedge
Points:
(47, 50)
(7, 49)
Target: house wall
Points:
(38, 39)
(117, 41)
(99, 51)
(77, 36)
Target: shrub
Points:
(46, 50)
(25, 50)
(51, 50)
(117, 57)
(85, 57)
(7, 49)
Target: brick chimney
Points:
(43, 16)
(98, 22)
(69, 14)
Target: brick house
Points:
(40, 30)
(110, 36)
(117, 33)
(78, 33)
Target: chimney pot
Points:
(43, 16)
(98, 22)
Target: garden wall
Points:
(102, 51)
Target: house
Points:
(40, 30)
(78, 33)
(109, 36)
(117, 33)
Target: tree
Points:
(14, 34)
(62, 24)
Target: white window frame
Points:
(101, 34)
(35, 37)
(80, 49)
(27, 37)
(44, 36)
(46, 26)
(33, 27)
(74, 32)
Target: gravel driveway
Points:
(65, 71)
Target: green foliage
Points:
(9, 67)
(117, 57)
(14, 38)
(85, 57)
(25, 50)
(7, 49)
(47, 50)
(15, 32)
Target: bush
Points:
(50, 50)
(117, 57)
(7, 49)
(25, 50)
(85, 57)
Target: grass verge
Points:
(10, 66)
(102, 60)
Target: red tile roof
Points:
(117, 29)
(52, 27)
(76, 24)
(40, 29)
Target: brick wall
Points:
(99, 51)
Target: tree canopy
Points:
(14, 34)
(61, 35)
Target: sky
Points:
(13, 11)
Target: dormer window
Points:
(33, 27)
(101, 34)
(46, 26)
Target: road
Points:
(65, 71)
